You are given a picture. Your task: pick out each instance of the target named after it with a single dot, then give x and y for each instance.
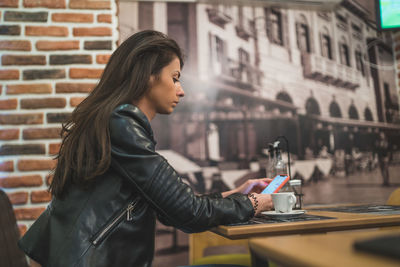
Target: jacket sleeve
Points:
(135, 159)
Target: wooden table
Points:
(322, 250)
(342, 221)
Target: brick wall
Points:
(52, 53)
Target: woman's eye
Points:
(175, 80)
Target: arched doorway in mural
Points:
(353, 113)
(289, 127)
(283, 96)
(334, 110)
(309, 129)
(312, 107)
(368, 114)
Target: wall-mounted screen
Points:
(388, 12)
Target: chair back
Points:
(10, 254)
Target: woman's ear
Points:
(151, 81)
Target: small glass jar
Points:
(295, 186)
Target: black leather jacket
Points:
(113, 222)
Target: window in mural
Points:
(217, 55)
(359, 62)
(245, 70)
(274, 26)
(326, 44)
(344, 53)
(303, 35)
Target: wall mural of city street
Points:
(323, 79)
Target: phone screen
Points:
(276, 184)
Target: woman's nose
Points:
(180, 91)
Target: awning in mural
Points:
(181, 164)
(356, 123)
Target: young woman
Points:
(110, 184)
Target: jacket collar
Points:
(139, 116)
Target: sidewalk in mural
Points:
(363, 187)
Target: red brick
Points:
(46, 31)
(22, 149)
(41, 133)
(97, 45)
(102, 59)
(80, 73)
(72, 17)
(76, 101)
(9, 3)
(52, 73)
(45, 3)
(19, 45)
(10, 29)
(49, 179)
(94, 31)
(9, 134)
(6, 166)
(38, 103)
(104, 18)
(23, 16)
(74, 87)
(34, 88)
(89, 4)
(28, 213)
(14, 119)
(22, 229)
(57, 45)
(21, 181)
(9, 74)
(8, 104)
(54, 148)
(23, 60)
(36, 164)
(18, 198)
(40, 196)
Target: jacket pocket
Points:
(126, 212)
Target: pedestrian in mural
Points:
(110, 184)
(348, 157)
(382, 150)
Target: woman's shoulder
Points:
(127, 116)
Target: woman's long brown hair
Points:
(85, 151)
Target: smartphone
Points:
(276, 184)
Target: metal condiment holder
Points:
(295, 184)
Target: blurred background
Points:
(324, 74)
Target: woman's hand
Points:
(250, 186)
(253, 186)
(261, 202)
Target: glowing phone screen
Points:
(276, 184)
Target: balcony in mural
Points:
(244, 29)
(219, 15)
(326, 70)
(242, 75)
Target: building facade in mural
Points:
(255, 73)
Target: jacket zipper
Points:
(128, 211)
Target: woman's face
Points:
(164, 93)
